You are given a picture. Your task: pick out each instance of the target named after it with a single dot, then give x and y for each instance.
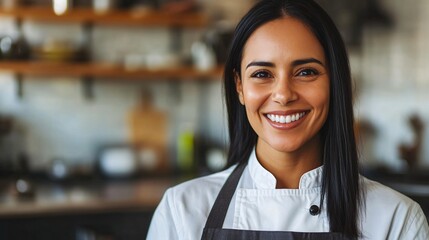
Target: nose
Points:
(283, 92)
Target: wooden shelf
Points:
(104, 70)
(114, 17)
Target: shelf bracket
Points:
(88, 39)
(88, 88)
(176, 43)
(175, 90)
(19, 80)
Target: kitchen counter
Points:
(50, 198)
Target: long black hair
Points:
(340, 181)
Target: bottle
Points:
(21, 49)
(186, 149)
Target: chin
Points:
(285, 146)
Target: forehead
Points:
(282, 39)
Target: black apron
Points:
(213, 229)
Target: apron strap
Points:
(220, 207)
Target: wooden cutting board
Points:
(149, 134)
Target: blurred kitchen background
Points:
(106, 103)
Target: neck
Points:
(288, 167)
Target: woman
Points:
(293, 162)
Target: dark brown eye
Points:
(261, 74)
(308, 72)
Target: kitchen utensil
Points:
(11, 4)
(118, 161)
(103, 5)
(149, 133)
(59, 169)
(62, 6)
(203, 56)
(13, 48)
(58, 50)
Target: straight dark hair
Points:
(340, 180)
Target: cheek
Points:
(319, 92)
(254, 96)
(325, 97)
(319, 98)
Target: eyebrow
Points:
(260, 64)
(294, 63)
(305, 61)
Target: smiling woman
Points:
(293, 171)
(284, 86)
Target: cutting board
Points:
(149, 134)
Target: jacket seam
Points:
(175, 216)
(414, 214)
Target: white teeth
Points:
(285, 119)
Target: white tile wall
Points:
(60, 123)
(393, 81)
(390, 73)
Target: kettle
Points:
(14, 49)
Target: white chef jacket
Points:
(258, 205)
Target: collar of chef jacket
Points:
(263, 179)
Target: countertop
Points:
(49, 197)
(101, 195)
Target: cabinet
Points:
(81, 209)
(88, 70)
(131, 224)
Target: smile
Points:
(286, 118)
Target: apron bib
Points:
(213, 229)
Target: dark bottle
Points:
(23, 185)
(21, 49)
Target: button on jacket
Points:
(258, 205)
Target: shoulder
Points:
(391, 213)
(184, 208)
(203, 187)
(383, 197)
(376, 191)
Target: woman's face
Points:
(284, 85)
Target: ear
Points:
(239, 87)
